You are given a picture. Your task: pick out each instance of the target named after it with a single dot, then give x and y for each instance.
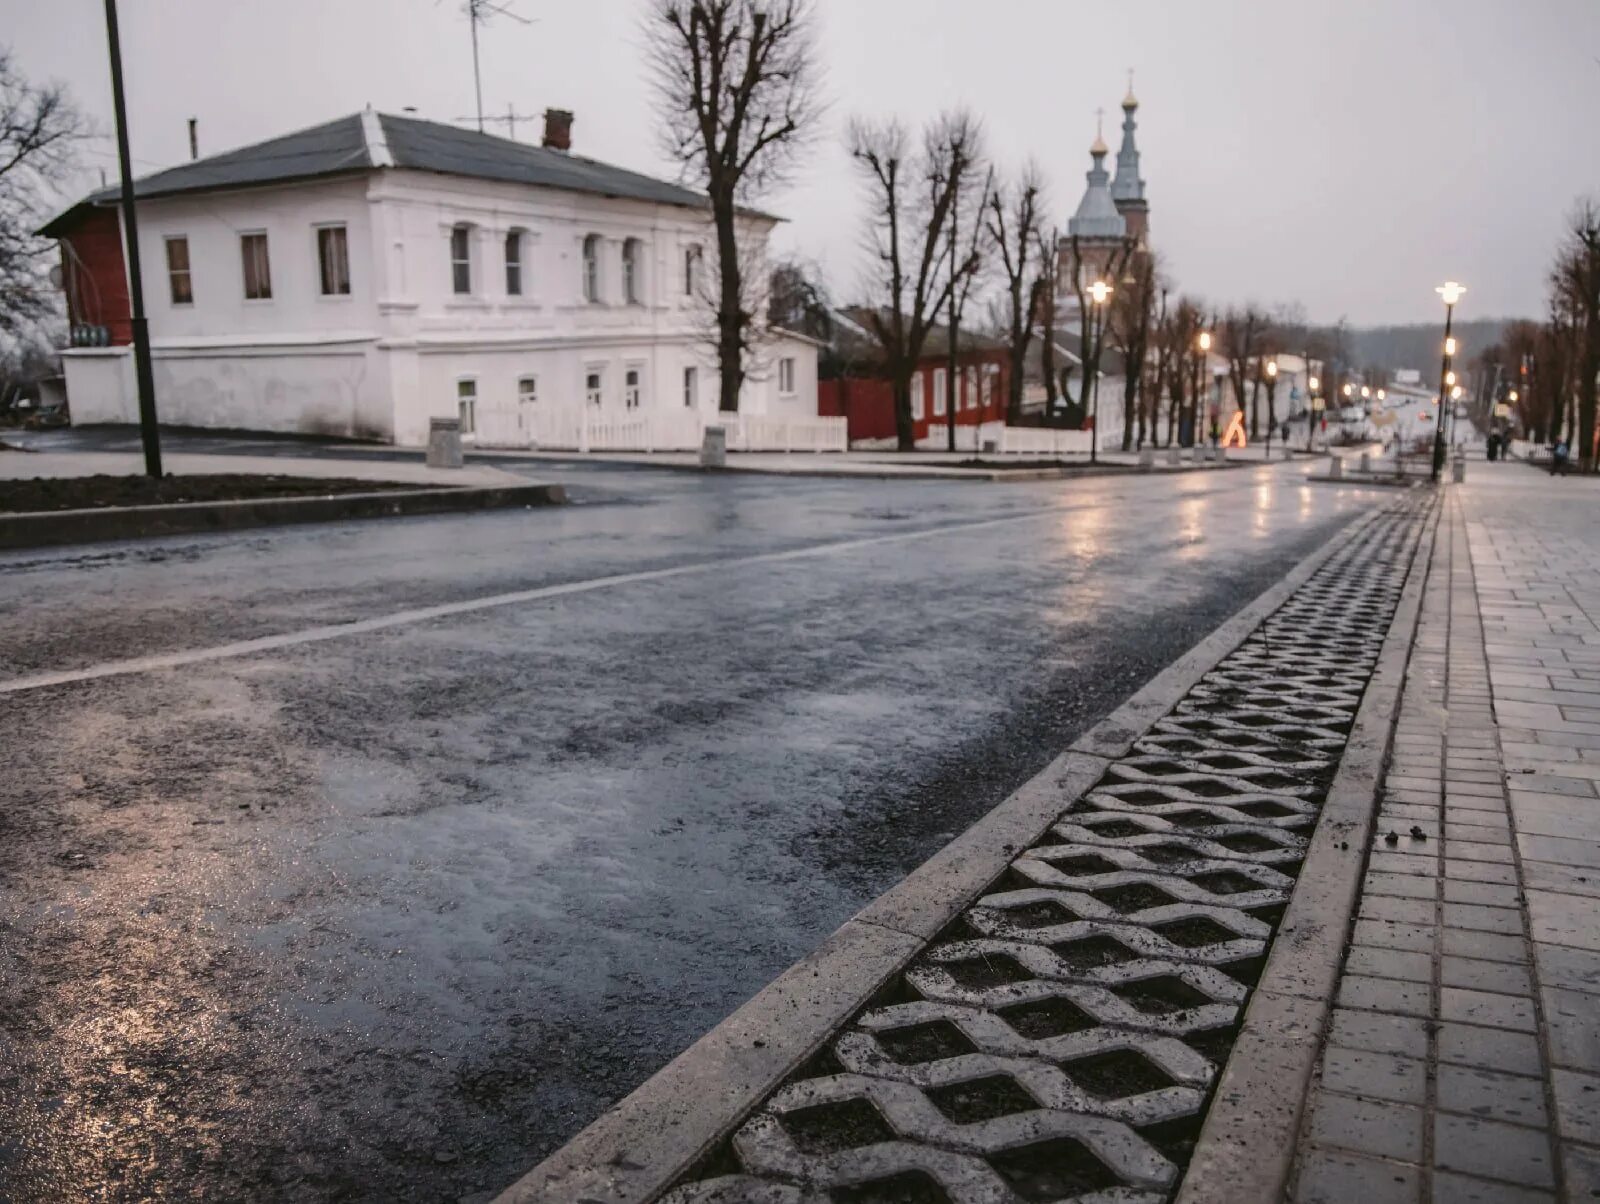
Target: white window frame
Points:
(917, 400)
(528, 389)
(467, 404)
(938, 392)
(970, 391)
(594, 385)
(244, 276)
(516, 257)
(691, 387)
(173, 273)
(322, 276)
(632, 393)
(463, 262)
(589, 258)
(633, 271)
(786, 374)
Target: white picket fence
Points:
(757, 432)
(1041, 441)
(672, 430)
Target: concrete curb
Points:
(632, 1153)
(1246, 1148)
(53, 527)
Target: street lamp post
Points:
(1204, 342)
(1272, 409)
(1100, 291)
(1450, 292)
(1311, 406)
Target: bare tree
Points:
(913, 192)
(1576, 284)
(966, 266)
(1044, 302)
(1176, 345)
(1014, 229)
(1132, 307)
(1092, 327)
(736, 86)
(1159, 374)
(1240, 339)
(39, 130)
(798, 300)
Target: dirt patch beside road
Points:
(96, 492)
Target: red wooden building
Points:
(854, 383)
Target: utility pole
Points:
(143, 375)
(950, 392)
(477, 76)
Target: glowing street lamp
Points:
(1455, 393)
(1382, 395)
(1449, 292)
(1512, 395)
(1100, 292)
(1272, 367)
(1203, 342)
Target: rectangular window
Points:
(467, 405)
(333, 261)
(786, 375)
(691, 270)
(630, 389)
(593, 387)
(916, 395)
(528, 390)
(938, 392)
(691, 387)
(461, 260)
(178, 275)
(970, 393)
(514, 263)
(257, 269)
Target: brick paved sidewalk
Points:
(1463, 1060)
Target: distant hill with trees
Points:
(1419, 346)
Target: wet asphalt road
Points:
(390, 916)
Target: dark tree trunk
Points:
(731, 318)
(905, 432)
(1589, 368)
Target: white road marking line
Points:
(333, 631)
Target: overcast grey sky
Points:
(1349, 154)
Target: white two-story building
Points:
(361, 277)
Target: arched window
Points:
(631, 270)
(461, 259)
(591, 268)
(514, 262)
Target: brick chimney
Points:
(557, 129)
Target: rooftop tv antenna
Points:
(477, 12)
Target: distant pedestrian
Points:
(1492, 443)
(1558, 458)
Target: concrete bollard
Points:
(714, 448)
(1335, 468)
(444, 443)
(1174, 455)
(1147, 459)
(1219, 454)
(1288, 452)
(1199, 455)
(1458, 469)
(1366, 462)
